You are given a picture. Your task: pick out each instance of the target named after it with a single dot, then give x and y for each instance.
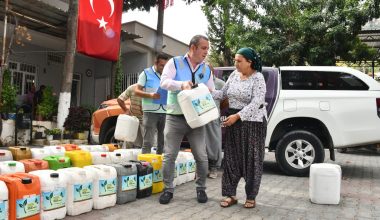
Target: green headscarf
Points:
(250, 54)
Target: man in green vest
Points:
(181, 73)
(153, 104)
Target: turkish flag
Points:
(99, 27)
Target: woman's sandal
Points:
(249, 204)
(228, 201)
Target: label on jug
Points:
(203, 104)
(191, 166)
(128, 182)
(176, 170)
(107, 187)
(182, 168)
(145, 181)
(157, 176)
(54, 200)
(4, 209)
(27, 206)
(82, 192)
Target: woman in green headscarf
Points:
(246, 124)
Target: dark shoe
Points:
(166, 197)
(201, 196)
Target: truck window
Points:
(320, 80)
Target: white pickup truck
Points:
(313, 108)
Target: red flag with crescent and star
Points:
(99, 27)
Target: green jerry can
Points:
(58, 162)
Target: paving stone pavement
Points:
(280, 196)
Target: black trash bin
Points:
(23, 120)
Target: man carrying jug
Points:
(153, 104)
(181, 73)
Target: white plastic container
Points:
(198, 106)
(56, 150)
(100, 158)
(53, 194)
(40, 153)
(182, 169)
(4, 205)
(176, 174)
(324, 183)
(133, 152)
(190, 166)
(5, 155)
(11, 167)
(126, 128)
(105, 185)
(94, 148)
(79, 190)
(121, 156)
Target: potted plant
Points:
(8, 97)
(78, 121)
(53, 134)
(48, 106)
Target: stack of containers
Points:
(100, 158)
(56, 150)
(126, 182)
(111, 147)
(58, 162)
(4, 205)
(79, 190)
(190, 165)
(105, 185)
(24, 195)
(79, 158)
(34, 164)
(156, 162)
(176, 173)
(40, 153)
(21, 153)
(144, 179)
(120, 157)
(53, 194)
(5, 155)
(11, 167)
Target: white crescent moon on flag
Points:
(112, 4)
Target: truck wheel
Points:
(109, 136)
(297, 150)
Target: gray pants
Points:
(175, 129)
(153, 122)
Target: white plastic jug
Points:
(133, 152)
(176, 173)
(5, 155)
(56, 150)
(182, 169)
(105, 185)
(79, 190)
(126, 128)
(40, 153)
(4, 207)
(324, 183)
(120, 156)
(53, 194)
(94, 148)
(198, 106)
(11, 167)
(190, 165)
(100, 158)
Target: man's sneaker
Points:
(166, 197)
(201, 196)
(213, 174)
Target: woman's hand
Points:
(230, 120)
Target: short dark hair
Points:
(195, 40)
(161, 56)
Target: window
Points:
(23, 76)
(320, 80)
